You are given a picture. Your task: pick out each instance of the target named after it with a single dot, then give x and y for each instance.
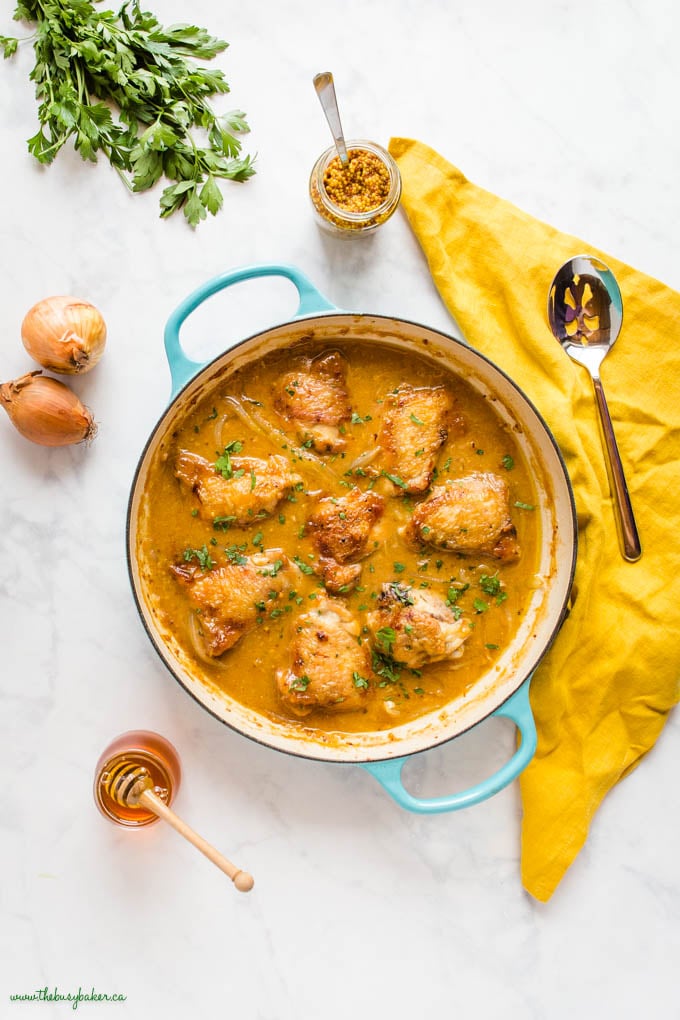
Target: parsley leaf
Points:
(235, 555)
(124, 85)
(395, 479)
(300, 683)
(223, 464)
(386, 636)
(206, 562)
(304, 567)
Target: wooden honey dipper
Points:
(130, 785)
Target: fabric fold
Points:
(603, 692)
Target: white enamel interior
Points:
(556, 558)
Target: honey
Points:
(141, 748)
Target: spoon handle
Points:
(241, 879)
(325, 90)
(629, 540)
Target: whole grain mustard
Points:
(363, 184)
(358, 196)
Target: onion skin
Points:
(65, 334)
(46, 411)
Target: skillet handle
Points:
(517, 708)
(182, 368)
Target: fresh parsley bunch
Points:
(124, 85)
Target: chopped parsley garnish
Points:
(395, 479)
(480, 606)
(400, 593)
(416, 420)
(360, 681)
(304, 567)
(204, 558)
(386, 636)
(524, 506)
(454, 594)
(273, 570)
(223, 523)
(253, 480)
(300, 683)
(223, 463)
(492, 648)
(507, 462)
(258, 538)
(399, 568)
(491, 584)
(235, 554)
(358, 420)
(386, 667)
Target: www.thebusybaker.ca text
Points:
(54, 995)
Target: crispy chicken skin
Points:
(416, 424)
(469, 515)
(255, 488)
(416, 627)
(315, 398)
(341, 527)
(226, 596)
(339, 578)
(329, 667)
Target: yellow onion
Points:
(64, 334)
(46, 411)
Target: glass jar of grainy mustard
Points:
(358, 197)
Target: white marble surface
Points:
(360, 909)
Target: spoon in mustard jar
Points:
(585, 311)
(325, 90)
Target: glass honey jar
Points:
(137, 748)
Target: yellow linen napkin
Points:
(603, 692)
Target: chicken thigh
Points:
(341, 527)
(469, 515)
(415, 627)
(315, 399)
(236, 490)
(229, 599)
(329, 667)
(415, 426)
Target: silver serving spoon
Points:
(585, 312)
(325, 90)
